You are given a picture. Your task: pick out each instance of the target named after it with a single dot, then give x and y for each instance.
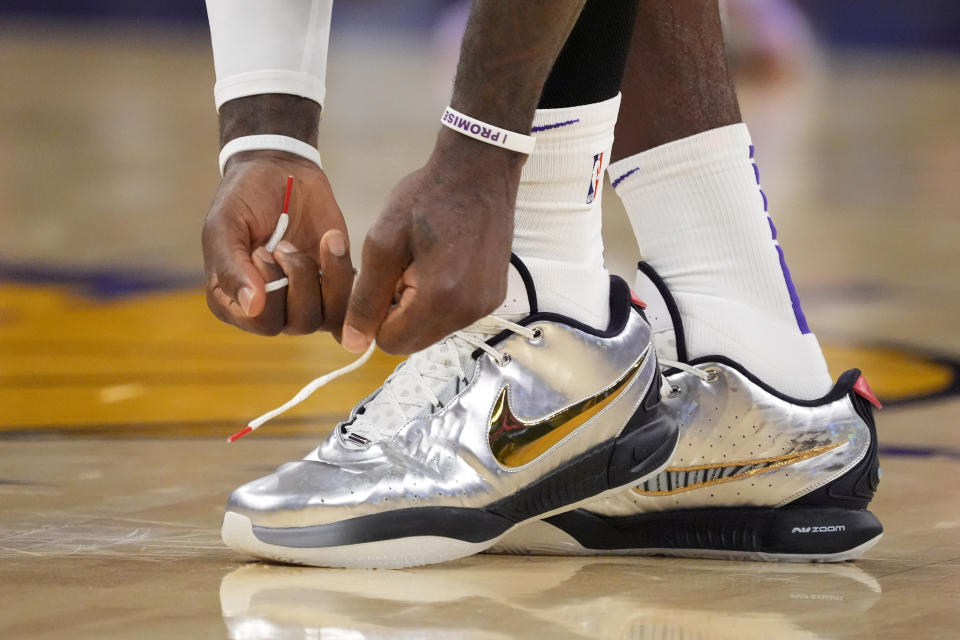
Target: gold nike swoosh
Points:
(516, 442)
(742, 469)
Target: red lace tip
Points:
(636, 299)
(864, 391)
(286, 196)
(239, 434)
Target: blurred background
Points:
(117, 385)
(108, 145)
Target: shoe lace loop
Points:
(421, 367)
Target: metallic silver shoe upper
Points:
(742, 446)
(556, 396)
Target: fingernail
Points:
(285, 247)
(337, 246)
(245, 297)
(264, 255)
(353, 341)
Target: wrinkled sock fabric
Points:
(557, 223)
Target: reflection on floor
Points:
(554, 597)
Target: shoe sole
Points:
(789, 534)
(317, 545)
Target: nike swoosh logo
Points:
(674, 480)
(516, 442)
(555, 125)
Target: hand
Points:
(436, 259)
(241, 219)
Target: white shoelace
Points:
(431, 364)
(420, 368)
(667, 389)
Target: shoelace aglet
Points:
(240, 434)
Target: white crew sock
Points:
(700, 219)
(557, 224)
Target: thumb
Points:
(372, 295)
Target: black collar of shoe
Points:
(841, 387)
(672, 308)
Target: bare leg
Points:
(677, 83)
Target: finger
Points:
(399, 335)
(406, 325)
(337, 279)
(242, 284)
(230, 267)
(217, 300)
(372, 295)
(269, 322)
(223, 306)
(304, 305)
(415, 324)
(272, 318)
(219, 303)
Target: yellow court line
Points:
(159, 363)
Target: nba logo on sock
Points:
(596, 178)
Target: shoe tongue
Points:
(661, 311)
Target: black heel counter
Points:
(856, 488)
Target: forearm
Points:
(507, 53)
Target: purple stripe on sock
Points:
(791, 289)
(555, 125)
(794, 298)
(614, 183)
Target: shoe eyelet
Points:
(712, 375)
(504, 360)
(537, 336)
(674, 392)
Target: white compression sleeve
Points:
(275, 46)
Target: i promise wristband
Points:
(266, 142)
(488, 133)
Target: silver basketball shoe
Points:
(756, 475)
(518, 417)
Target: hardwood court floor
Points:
(117, 387)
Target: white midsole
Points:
(238, 534)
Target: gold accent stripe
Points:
(777, 462)
(808, 453)
(515, 442)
